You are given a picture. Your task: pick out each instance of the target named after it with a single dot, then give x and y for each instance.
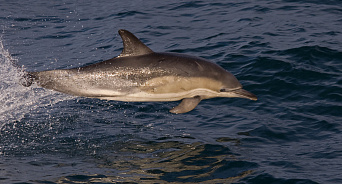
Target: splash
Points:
(16, 100)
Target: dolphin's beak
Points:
(244, 94)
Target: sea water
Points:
(288, 53)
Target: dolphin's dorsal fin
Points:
(132, 46)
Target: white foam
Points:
(16, 100)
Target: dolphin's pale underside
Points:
(138, 75)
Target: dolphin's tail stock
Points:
(27, 78)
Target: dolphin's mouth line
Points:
(241, 93)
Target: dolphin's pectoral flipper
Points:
(186, 105)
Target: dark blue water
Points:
(289, 53)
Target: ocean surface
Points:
(288, 53)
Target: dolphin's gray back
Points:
(146, 67)
(154, 73)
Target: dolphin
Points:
(139, 74)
